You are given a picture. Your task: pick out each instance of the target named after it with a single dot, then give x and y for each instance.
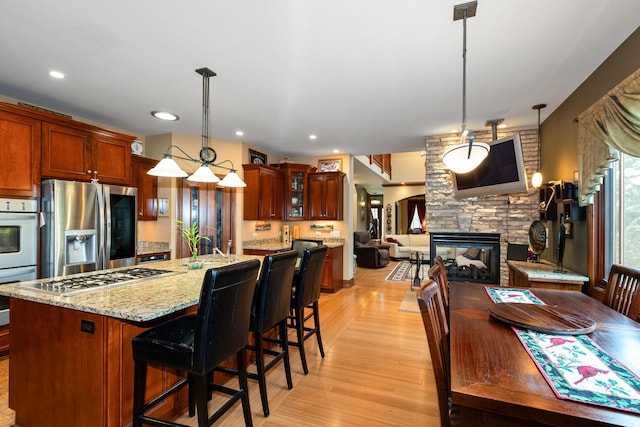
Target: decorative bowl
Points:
(194, 265)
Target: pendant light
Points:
(465, 157)
(536, 178)
(169, 168)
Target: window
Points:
(622, 213)
(415, 220)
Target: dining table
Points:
(496, 382)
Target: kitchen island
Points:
(71, 362)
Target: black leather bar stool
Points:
(270, 309)
(306, 293)
(197, 343)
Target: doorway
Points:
(213, 209)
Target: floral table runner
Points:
(575, 367)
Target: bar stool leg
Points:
(284, 342)
(299, 313)
(316, 322)
(262, 382)
(139, 386)
(200, 386)
(241, 357)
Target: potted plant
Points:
(193, 237)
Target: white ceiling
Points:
(366, 76)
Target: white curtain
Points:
(610, 125)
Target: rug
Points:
(404, 271)
(410, 303)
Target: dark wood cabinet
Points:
(81, 154)
(19, 155)
(66, 152)
(263, 194)
(147, 186)
(296, 200)
(326, 191)
(112, 159)
(332, 270)
(36, 144)
(92, 368)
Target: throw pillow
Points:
(472, 253)
(392, 240)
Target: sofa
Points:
(402, 245)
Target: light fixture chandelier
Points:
(169, 168)
(536, 178)
(464, 158)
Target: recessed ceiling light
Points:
(239, 133)
(165, 115)
(454, 131)
(312, 136)
(56, 74)
(502, 126)
(335, 150)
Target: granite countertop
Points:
(277, 245)
(139, 301)
(544, 271)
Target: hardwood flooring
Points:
(376, 370)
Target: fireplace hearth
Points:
(468, 257)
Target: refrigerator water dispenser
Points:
(80, 246)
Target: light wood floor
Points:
(376, 370)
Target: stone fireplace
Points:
(507, 215)
(468, 257)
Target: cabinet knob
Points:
(89, 171)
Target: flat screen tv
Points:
(502, 172)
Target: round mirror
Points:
(537, 237)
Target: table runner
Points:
(574, 366)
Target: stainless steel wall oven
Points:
(18, 245)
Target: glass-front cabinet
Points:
(296, 198)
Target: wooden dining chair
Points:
(622, 292)
(438, 273)
(435, 326)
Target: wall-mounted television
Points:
(502, 172)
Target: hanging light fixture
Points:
(169, 168)
(536, 178)
(465, 157)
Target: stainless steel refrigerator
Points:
(87, 227)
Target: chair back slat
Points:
(622, 291)
(438, 273)
(435, 325)
(224, 311)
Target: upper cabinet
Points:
(147, 186)
(80, 154)
(19, 155)
(36, 145)
(295, 190)
(263, 194)
(326, 191)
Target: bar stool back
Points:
(271, 308)
(197, 343)
(306, 294)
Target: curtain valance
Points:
(610, 125)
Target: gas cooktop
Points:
(99, 280)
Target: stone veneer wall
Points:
(509, 215)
